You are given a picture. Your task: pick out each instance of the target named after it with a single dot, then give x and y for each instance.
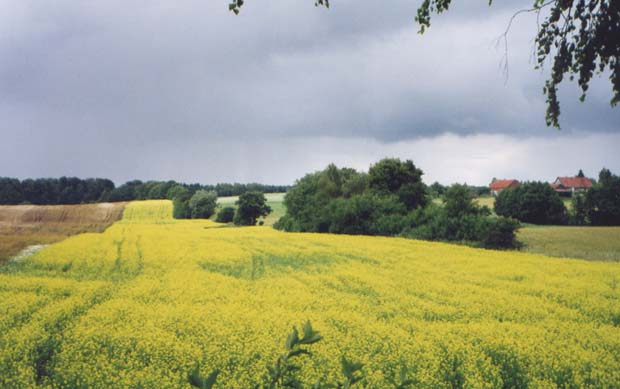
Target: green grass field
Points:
(274, 200)
(593, 243)
(486, 200)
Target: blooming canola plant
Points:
(143, 303)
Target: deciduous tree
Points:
(251, 206)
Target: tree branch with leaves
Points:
(580, 37)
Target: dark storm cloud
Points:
(148, 88)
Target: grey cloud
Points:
(93, 88)
(448, 158)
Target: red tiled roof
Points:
(575, 182)
(503, 184)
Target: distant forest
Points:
(72, 190)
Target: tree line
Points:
(391, 200)
(73, 190)
(538, 203)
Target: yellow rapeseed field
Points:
(142, 303)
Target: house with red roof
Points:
(571, 185)
(499, 185)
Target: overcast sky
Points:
(185, 90)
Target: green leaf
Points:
(406, 383)
(292, 340)
(297, 352)
(196, 380)
(349, 368)
(310, 335)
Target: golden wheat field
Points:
(27, 225)
(144, 302)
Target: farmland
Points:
(142, 303)
(26, 225)
(593, 243)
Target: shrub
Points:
(437, 190)
(180, 208)
(361, 214)
(157, 190)
(251, 206)
(500, 233)
(180, 204)
(287, 223)
(458, 201)
(307, 202)
(578, 215)
(603, 200)
(202, 204)
(532, 202)
(462, 220)
(225, 215)
(390, 200)
(176, 191)
(314, 203)
(403, 179)
(427, 223)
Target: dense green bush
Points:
(391, 176)
(458, 202)
(390, 200)
(578, 214)
(436, 190)
(202, 204)
(193, 205)
(532, 202)
(460, 219)
(500, 233)
(251, 206)
(346, 201)
(307, 202)
(180, 205)
(603, 200)
(176, 191)
(366, 214)
(225, 215)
